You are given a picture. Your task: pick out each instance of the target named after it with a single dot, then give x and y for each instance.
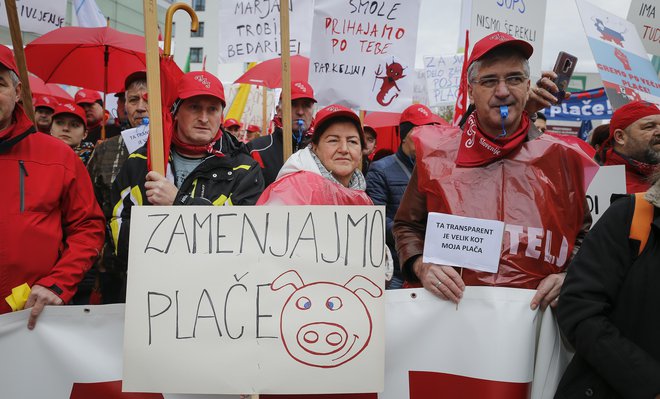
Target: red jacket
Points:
(51, 227)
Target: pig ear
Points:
(290, 277)
(359, 282)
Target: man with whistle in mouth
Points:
(497, 166)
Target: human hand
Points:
(441, 281)
(159, 190)
(38, 298)
(542, 94)
(547, 293)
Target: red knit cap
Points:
(630, 113)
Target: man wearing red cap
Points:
(44, 106)
(268, 150)
(104, 166)
(233, 126)
(388, 177)
(498, 167)
(207, 166)
(92, 103)
(51, 229)
(253, 132)
(634, 142)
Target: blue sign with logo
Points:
(583, 105)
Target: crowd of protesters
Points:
(497, 164)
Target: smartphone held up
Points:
(564, 67)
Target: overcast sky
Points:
(439, 20)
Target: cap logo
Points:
(203, 80)
(499, 37)
(333, 109)
(422, 111)
(69, 107)
(301, 87)
(83, 95)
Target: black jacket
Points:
(268, 152)
(609, 309)
(234, 179)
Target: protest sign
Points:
(250, 31)
(523, 20)
(420, 95)
(363, 55)
(443, 78)
(38, 16)
(274, 299)
(462, 241)
(581, 106)
(136, 137)
(609, 180)
(642, 14)
(621, 59)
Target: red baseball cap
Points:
(630, 113)
(200, 83)
(334, 111)
(7, 59)
(232, 122)
(87, 96)
(71, 109)
(495, 40)
(300, 89)
(420, 114)
(253, 128)
(45, 101)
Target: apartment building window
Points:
(200, 31)
(199, 5)
(196, 54)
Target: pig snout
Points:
(322, 338)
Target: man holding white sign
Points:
(499, 167)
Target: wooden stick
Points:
(286, 81)
(153, 86)
(19, 54)
(264, 110)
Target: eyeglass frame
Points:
(497, 81)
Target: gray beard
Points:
(651, 157)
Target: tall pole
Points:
(264, 110)
(286, 80)
(153, 86)
(19, 55)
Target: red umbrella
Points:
(39, 88)
(382, 119)
(86, 57)
(269, 73)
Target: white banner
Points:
(420, 95)
(642, 14)
(250, 31)
(608, 180)
(523, 20)
(363, 53)
(274, 299)
(443, 77)
(493, 341)
(38, 16)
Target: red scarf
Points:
(195, 150)
(478, 149)
(637, 173)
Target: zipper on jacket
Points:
(22, 174)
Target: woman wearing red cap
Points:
(69, 125)
(325, 172)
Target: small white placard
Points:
(135, 137)
(462, 241)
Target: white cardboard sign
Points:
(645, 15)
(250, 30)
(523, 20)
(462, 241)
(608, 180)
(443, 78)
(363, 55)
(136, 137)
(273, 299)
(38, 16)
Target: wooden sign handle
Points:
(153, 86)
(286, 81)
(19, 55)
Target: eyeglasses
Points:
(510, 81)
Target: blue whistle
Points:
(504, 113)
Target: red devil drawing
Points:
(393, 72)
(324, 324)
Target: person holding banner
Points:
(498, 167)
(635, 143)
(327, 171)
(207, 165)
(268, 150)
(51, 228)
(609, 305)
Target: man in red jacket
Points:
(51, 228)
(635, 143)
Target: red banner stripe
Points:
(426, 384)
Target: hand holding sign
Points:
(442, 281)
